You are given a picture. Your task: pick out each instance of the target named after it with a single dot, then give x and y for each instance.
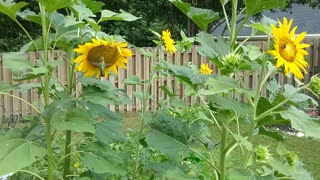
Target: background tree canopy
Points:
(155, 15)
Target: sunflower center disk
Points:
(287, 50)
(108, 54)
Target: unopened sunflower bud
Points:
(315, 84)
(262, 153)
(232, 59)
(291, 158)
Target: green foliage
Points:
(100, 159)
(257, 6)
(10, 8)
(302, 121)
(76, 120)
(107, 15)
(202, 17)
(16, 62)
(18, 153)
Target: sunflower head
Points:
(288, 49)
(315, 84)
(261, 153)
(291, 158)
(98, 57)
(168, 41)
(204, 69)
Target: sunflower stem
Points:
(46, 92)
(67, 149)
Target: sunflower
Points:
(205, 69)
(168, 41)
(287, 49)
(99, 57)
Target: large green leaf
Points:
(10, 8)
(298, 98)
(31, 74)
(302, 121)
(100, 159)
(65, 104)
(257, 6)
(212, 47)
(107, 15)
(133, 80)
(245, 174)
(264, 25)
(220, 102)
(188, 75)
(109, 129)
(30, 16)
(103, 92)
(166, 144)
(94, 6)
(82, 12)
(16, 154)
(219, 84)
(16, 62)
(295, 172)
(271, 133)
(171, 135)
(6, 87)
(77, 120)
(201, 17)
(56, 4)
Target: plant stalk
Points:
(223, 154)
(46, 92)
(67, 151)
(67, 148)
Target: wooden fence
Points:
(139, 65)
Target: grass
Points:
(307, 149)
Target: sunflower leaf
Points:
(107, 15)
(257, 6)
(10, 8)
(302, 121)
(56, 4)
(16, 62)
(76, 120)
(16, 154)
(100, 159)
(201, 17)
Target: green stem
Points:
(27, 33)
(67, 160)
(223, 154)
(252, 117)
(32, 106)
(233, 23)
(226, 17)
(208, 109)
(67, 149)
(34, 174)
(46, 91)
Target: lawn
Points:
(306, 148)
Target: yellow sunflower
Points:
(99, 57)
(287, 49)
(168, 41)
(205, 69)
